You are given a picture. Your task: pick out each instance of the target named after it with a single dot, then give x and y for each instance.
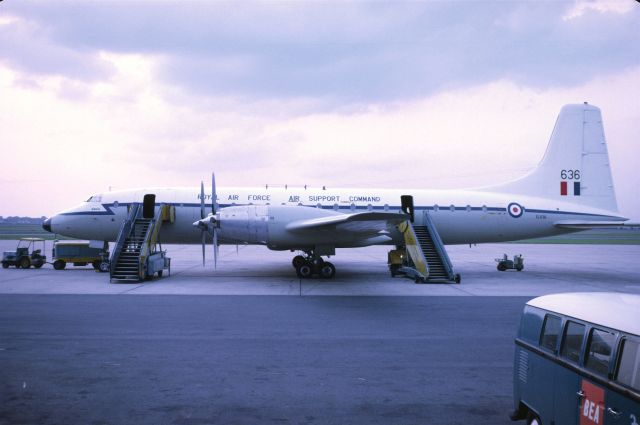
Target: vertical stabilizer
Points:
(575, 168)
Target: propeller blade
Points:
(215, 248)
(203, 243)
(204, 236)
(214, 195)
(201, 199)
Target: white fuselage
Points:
(461, 216)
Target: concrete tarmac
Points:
(125, 359)
(362, 348)
(254, 270)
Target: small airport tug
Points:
(27, 254)
(505, 264)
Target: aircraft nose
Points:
(46, 225)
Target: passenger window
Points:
(550, 332)
(599, 351)
(629, 370)
(572, 341)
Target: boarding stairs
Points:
(427, 252)
(137, 244)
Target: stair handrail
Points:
(435, 236)
(413, 248)
(125, 230)
(151, 237)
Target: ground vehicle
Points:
(27, 254)
(79, 253)
(505, 264)
(577, 360)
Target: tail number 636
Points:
(570, 174)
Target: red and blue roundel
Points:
(515, 210)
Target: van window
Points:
(629, 370)
(550, 332)
(599, 351)
(572, 341)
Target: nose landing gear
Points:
(308, 265)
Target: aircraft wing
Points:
(361, 223)
(584, 225)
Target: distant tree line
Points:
(13, 219)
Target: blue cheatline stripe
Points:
(576, 188)
(344, 208)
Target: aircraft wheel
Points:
(25, 263)
(327, 270)
(304, 271)
(59, 264)
(297, 261)
(104, 267)
(5, 265)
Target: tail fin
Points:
(575, 167)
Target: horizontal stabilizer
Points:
(363, 221)
(584, 225)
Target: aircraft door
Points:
(406, 204)
(149, 205)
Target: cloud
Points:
(415, 95)
(28, 46)
(580, 7)
(353, 52)
(135, 130)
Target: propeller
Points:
(204, 236)
(214, 222)
(210, 222)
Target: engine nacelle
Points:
(244, 224)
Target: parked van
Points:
(577, 360)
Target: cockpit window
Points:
(95, 198)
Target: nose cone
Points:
(46, 225)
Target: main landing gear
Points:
(308, 265)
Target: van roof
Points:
(610, 309)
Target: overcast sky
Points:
(430, 94)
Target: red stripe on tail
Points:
(563, 188)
